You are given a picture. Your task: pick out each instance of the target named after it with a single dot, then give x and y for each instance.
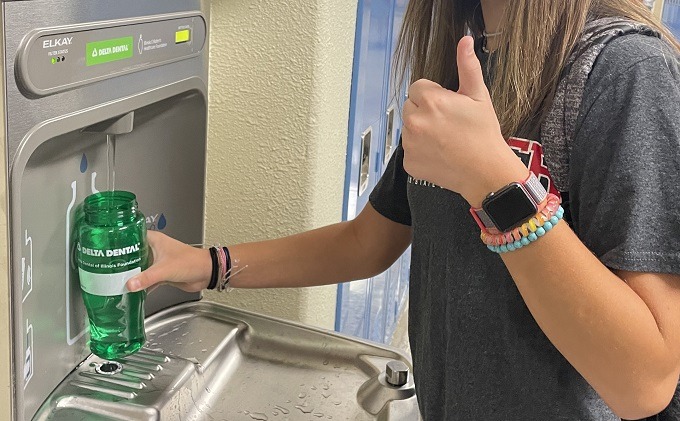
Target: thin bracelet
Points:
(231, 272)
(224, 282)
(223, 263)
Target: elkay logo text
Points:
(57, 42)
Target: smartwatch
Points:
(510, 206)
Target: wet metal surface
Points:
(205, 361)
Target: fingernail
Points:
(471, 48)
(133, 285)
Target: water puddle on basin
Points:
(257, 416)
(282, 409)
(304, 410)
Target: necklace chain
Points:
(493, 34)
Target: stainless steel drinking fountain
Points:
(96, 88)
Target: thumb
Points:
(152, 276)
(471, 79)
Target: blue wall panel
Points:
(367, 97)
(370, 308)
(671, 16)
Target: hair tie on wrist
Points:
(215, 268)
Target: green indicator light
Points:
(107, 51)
(182, 36)
(54, 60)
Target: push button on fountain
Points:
(397, 373)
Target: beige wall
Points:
(279, 103)
(5, 383)
(658, 7)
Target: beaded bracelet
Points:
(538, 227)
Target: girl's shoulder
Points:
(623, 56)
(632, 73)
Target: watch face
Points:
(509, 207)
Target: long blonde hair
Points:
(537, 39)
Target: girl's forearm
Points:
(337, 253)
(605, 330)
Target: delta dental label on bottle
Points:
(108, 253)
(105, 272)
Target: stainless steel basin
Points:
(205, 361)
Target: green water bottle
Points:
(111, 249)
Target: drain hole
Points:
(109, 367)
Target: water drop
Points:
(313, 387)
(282, 409)
(162, 222)
(326, 395)
(83, 164)
(302, 395)
(275, 413)
(204, 350)
(326, 387)
(337, 403)
(318, 414)
(325, 362)
(207, 389)
(258, 416)
(304, 410)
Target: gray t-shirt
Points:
(478, 353)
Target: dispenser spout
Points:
(114, 126)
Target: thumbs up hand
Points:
(453, 139)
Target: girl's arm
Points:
(621, 330)
(357, 249)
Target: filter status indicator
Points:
(99, 52)
(182, 36)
